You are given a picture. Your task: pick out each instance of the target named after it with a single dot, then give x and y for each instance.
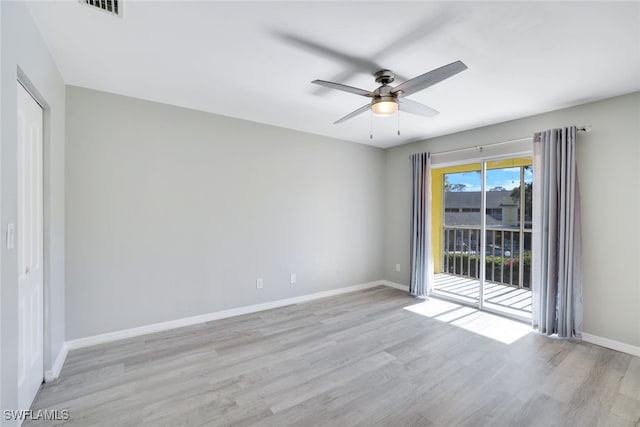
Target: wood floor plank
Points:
(357, 359)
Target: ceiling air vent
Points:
(113, 7)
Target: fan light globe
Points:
(384, 108)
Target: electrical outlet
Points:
(397, 267)
(259, 283)
(293, 278)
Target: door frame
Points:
(31, 89)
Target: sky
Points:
(508, 178)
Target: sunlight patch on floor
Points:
(486, 324)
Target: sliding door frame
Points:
(480, 305)
(483, 232)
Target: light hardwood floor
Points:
(354, 359)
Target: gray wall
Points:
(174, 213)
(608, 162)
(23, 49)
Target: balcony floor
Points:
(510, 300)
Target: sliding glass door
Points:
(462, 234)
(485, 232)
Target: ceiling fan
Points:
(386, 100)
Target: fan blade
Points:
(353, 114)
(429, 79)
(344, 88)
(345, 75)
(354, 61)
(413, 107)
(351, 64)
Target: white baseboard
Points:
(614, 345)
(54, 372)
(395, 285)
(188, 321)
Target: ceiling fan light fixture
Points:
(384, 107)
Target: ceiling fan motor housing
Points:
(385, 77)
(383, 94)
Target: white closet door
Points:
(30, 249)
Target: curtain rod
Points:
(586, 128)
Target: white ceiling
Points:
(255, 60)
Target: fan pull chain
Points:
(398, 113)
(371, 125)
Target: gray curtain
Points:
(557, 247)
(421, 248)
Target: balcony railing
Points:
(507, 254)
